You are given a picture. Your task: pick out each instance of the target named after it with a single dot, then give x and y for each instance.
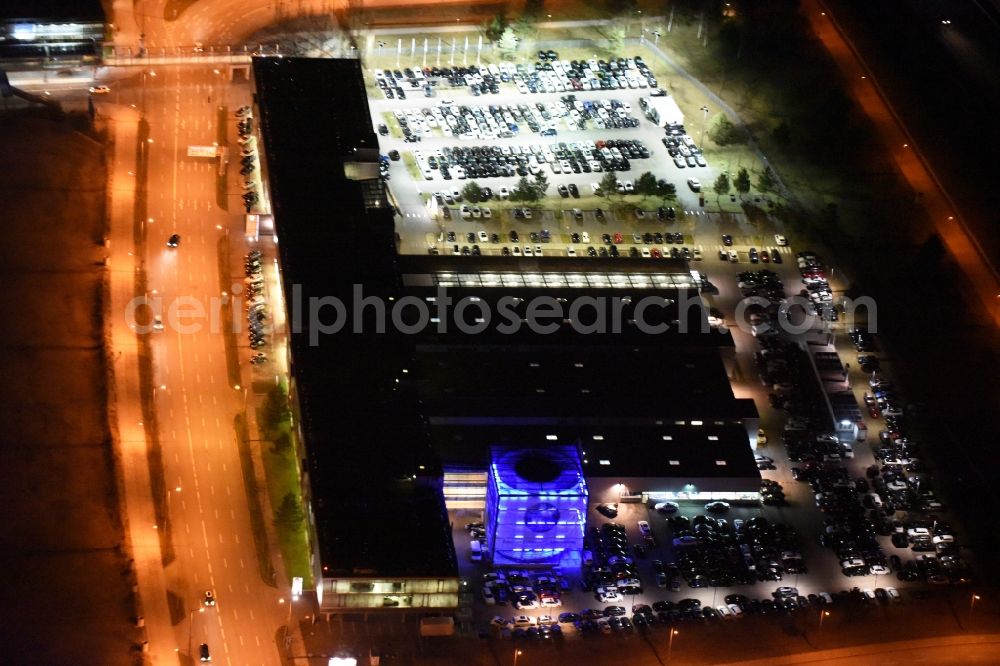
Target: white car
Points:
(571, 251)
(522, 621)
(483, 238)
(667, 507)
(780, 240)
(99, 90)
(585, 237)
(487, 213)
(694, 184)
(595, 187)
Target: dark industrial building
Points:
(474, 401)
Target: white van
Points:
(475, 551)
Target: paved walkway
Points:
(144, 539)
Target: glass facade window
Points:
(576, 280)
(536, 506)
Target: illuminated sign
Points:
(536, 504)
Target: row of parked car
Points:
(508, 161)
(667, 614)
(551, 75)
(256, 305)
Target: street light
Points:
(972, 604)
(822, 615)
(517, 653)
(704, 125)
(200, 609)
(670, 643)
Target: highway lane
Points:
(195, 403)
(946, 216)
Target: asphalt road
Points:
(195, 402)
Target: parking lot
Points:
(843, 524)
(422, 226)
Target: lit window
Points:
(605, 462)
(696, 423)
(721, 463)
(668, 438)
(533, 365)
(713, 438)
(678, 422)
(675, 462)
(599, 437)
(551, 438)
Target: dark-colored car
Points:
(174, 240)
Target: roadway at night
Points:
(195, 403)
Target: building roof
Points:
(613, 450)
(381, 412)
(363, 433)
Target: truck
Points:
(661, 111)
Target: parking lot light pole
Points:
(517, 653)
(670, 643)
(704, 125)
(972, 604)
(822, 615)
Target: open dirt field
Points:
(66, 596)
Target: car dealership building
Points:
(615, 390)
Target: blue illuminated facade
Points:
(536, 506)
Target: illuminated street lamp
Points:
(822, 615)
(517, 653)
(972, 604)
(704, 125)
(670, 643)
